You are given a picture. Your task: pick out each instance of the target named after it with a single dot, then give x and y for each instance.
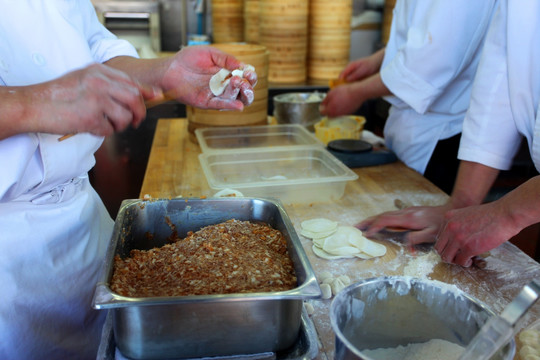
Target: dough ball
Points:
(336, 286)
(309, 308)
(326, 291)
(345, 280)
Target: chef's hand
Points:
(472, 231)
(341, 100)
(188, 74)
(424, 223)
(363, 67)
(97, 99)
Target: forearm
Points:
(521, 204)
(378, 57)
(473, 182)
(369, 88)
(148, 72)
(19, 110)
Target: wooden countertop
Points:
(173, 170)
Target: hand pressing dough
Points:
(220, 80)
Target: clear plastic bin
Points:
(247, 138)
(303, 174)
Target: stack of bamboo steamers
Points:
(306, 39)
(288, 42)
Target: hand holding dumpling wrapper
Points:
(231, 84)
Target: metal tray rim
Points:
(104, 298)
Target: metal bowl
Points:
(391, 311)
(202, 326)
(298, 108)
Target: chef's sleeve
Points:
(104, 45)
(434, 41)
(490, 136)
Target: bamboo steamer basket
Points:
(228, 21)
(251, 21)
(329, 38)
(257, 112)
(284, 32)
(388, 14)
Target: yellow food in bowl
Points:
(342, 127)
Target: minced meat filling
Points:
(231, 257)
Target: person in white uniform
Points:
(426, 70)
(62, 72)
(504, 108)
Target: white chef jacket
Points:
(429, 64)
(506, 92)
(54, 227)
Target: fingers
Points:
(224, 60)
(251, 76)
(126, 106)
(377, 223)
(421, 236)
(452, 250)
(244, 89)
(107, 100)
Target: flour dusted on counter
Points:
(434, 349)
(422, 266)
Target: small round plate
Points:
(350, 146)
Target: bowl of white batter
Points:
(406, 318)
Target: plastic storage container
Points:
(302, 174)
(247, 138)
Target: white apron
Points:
(53, 226)
(52, 245)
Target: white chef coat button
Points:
(38, 59)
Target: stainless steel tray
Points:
(305, 348)
(206, 325)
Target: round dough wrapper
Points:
(373, 248)
(324, 255)
(319, 225)
(316, 235)
(344, 241)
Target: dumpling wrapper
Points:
(373, 249)
(346, 237)
(319, 225)
(219, 81)
(323, 254)
(316, 235)
(344, 241)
